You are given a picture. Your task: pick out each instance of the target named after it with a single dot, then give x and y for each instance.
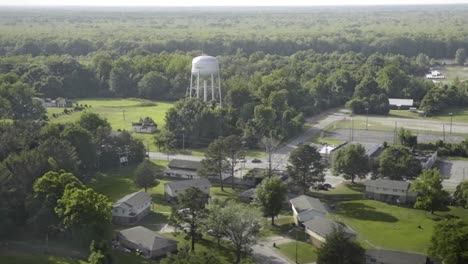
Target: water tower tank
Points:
(205, 65)
(205, 77)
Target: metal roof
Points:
(185, 184)
(323, 226)
(133, 200)
(400, 102)
(184, 164)
(390, 184)
(304, 203)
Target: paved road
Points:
(454, 172)
(264, 254)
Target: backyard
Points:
(393, 227)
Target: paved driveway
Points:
(454, 172)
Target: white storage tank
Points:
(205, 79)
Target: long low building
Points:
(310, 213)
(380, 256)
(172, 190)
(148, 242)
(390, 191)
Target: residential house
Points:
(173, 189)
(149, 243)
(381, 256)
(310, 213)
(146, 126)
(183, 169)
(63, 103)
(305, 207)
(131, 208)
(319, 227)
(390, 191)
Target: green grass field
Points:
(344, 188)
(393, 227)
(114, 110)
(459, 115)
(306, 252)
(453, 71)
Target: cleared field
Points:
(393, 227)
(459, 115)
(114, 111)
(452, 72)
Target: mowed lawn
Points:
(459, 115)
(393, 227)
(114, 109)
(306, 252)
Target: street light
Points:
(367, 117)
(451, 118)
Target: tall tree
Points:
(449, 241)
(215, 162)
(352, 161)
(243, 227)
(305, 167)
(339, 248)
(85, 212)
(145, 175)
(234, 153)
(191, 211)
(51, 186)
(271, 144)
(270, 195)
(216, 219)
(461, 193)
(397, 162)
(428, 186)
(407, 138)
(460, 56)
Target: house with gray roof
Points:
(319, 227)
(131, 208)
(305, 207)
(390, 191)
(183, 169)
(310, 213)
(381, 256)
(148, 242)
(173, 189)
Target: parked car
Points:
(327, 185)
(321, 187)
(256, 161)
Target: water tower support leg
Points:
(212, 88)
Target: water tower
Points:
(205, 81)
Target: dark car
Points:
(327, 185)
(256, 161)
(321, 187)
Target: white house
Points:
(390, 191)
(173, 189)
(305, 207)
(183, 169)
(145, 126)
(131, 208)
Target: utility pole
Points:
(183, 139)
(443, 131)
(367, 118)
(123, 113)
(395, 134)
(451, 119)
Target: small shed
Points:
(397, 103)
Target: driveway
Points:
(454, 172)
(264, 253)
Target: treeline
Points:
(30, 149)
(437, 32)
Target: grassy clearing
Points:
(459, 114)
(306, 252)
(208, 244)
(452, 72)
(393, 227)
(26, 258)
(114, 110)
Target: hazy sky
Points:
(224, 2)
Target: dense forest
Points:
(407, 30)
